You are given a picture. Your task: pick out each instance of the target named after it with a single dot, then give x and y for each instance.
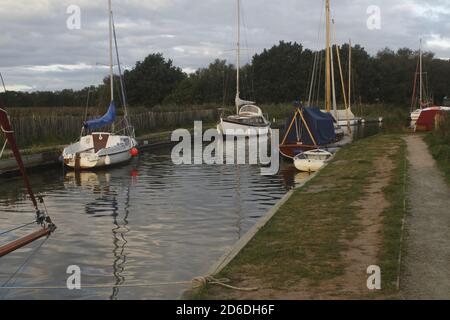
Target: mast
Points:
(111, 72)
(238, 55)
(327, 60)
(333, 85)
(421, 76)
(350, 74)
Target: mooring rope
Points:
(28, 259)
(17, 228)
(196, 283)
(3, 149)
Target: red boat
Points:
(427, 119)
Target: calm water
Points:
(148, 221)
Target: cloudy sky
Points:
(39, 52)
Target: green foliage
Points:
(280, 74)
(152, 80)
(439, 143)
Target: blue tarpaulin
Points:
(108, 118)
(320, 124)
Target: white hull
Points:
(352, 122)
(312, 161)
(83, 154)
(234, 129)
(308, 165)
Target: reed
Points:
(55, 126)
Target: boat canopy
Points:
(250, 109)
(108, 118)
(318, 124)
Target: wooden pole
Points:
(22, 242)
(307, 127)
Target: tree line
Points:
(277, 75)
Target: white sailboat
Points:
(249, 119)
(103, 148)
(415, 114)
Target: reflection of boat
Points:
(249, 119)
(100, 149)
(312, 161)
(92, 179)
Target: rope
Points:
(3, 149)
(196, 283)
(17, 228)
(5, 131)
(4, 286)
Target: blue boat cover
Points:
(320, 124)
(108, 118)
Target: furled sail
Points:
(108, 118)
(240, 102)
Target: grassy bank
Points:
(305, 251)
(439, 144)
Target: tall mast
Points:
(421, 75)
(333, 85)
(327, 60)
(111, 72)
(350, 74)
(238, 55)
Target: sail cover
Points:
(108, 118)
(320, 124)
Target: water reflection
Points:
(148, 221)
(106, 204)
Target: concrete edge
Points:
(242, 243)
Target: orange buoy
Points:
(134, 152)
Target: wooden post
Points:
(22, 242)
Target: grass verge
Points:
(303, 247)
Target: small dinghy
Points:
(312, 161)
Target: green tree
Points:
(152, 80)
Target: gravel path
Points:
(427, 263)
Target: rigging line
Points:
(17, 228)
(3, 149)
(121, 77)
(28, 259)
(315, 65)
(250, 66)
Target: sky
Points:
(42, 46)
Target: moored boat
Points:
(249, 119)
(312, 161)
(101, 148)
(308, 129)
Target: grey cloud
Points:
(192, 32)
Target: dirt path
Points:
(427, 263)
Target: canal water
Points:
(145, 222)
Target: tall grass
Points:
(53, 126)
(439, 143)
